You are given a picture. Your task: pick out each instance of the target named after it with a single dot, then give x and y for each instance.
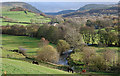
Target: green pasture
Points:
(10, 64)
(20, 16)
(15, 63)
(7, 53)
(21, 67)
(14, 42)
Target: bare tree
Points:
(73, 37)
(88, 52)
(110, 56)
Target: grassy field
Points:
(13, 55)
(11, 67)
(10, 63)
(31, 44)
(13, 42)
(10, 42)
(20, 16)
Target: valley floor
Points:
(17, 64)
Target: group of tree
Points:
(97, 24)
(69, 34)
(48, 53)
(108, 38)
(89, 34)
(20, 30)
(104, 36)
(94, 61)
(62, 46)
(51, 33)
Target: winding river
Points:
(63, 58)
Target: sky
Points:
(48, 7)
(60, 0)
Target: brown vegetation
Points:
(48, 54)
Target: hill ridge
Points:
(8, 5)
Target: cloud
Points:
(59, 0)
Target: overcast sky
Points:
(61, 0)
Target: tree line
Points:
(95, 32)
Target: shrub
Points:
(116, 69)
(62, 46)
(98, 63)
(87, 54)
(110, 56)
(83, 56)
(48, 53)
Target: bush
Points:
(116, 69)
(48, 53)
(83, 56)
(110, 56)
(62, 46)
(98, 63)
(87, 54)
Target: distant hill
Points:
(94, 6)
(8, 5)
(61, 12)
(112, 9)
(84, 8)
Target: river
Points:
(63, 58)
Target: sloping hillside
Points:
(8, 5)
(15, 63)
(15, 17)
(110, 10)
(94, 6)
(21, 67)
(84, 8)
(21, 13)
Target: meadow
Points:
(19, 17)
(11, 60)
(10, 42)
(11, 67)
